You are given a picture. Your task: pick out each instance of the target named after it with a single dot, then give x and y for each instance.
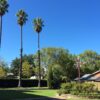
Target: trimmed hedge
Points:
(6, 83)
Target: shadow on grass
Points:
(23, 94)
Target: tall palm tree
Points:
(3, 9)
(22, 18)
(38, 24)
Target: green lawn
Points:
(15, 93)
(47, 93)
(19, 93)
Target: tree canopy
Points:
(91, 62)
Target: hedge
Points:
(25, 83)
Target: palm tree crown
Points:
(3, 7)
(38, 24)
(22, 17)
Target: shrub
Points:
(76, 88)
(65, 88)
(83, 89)
(88, 88)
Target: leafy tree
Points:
(49, 56)
(26, 70)
(38, 24)
(16, 64)
(3, 9)
(22, 18)
(42, 73)
(30, 59)
(59, 57)
(2, 72)
(91, 62)
(62, 63)
(66, 61)
(3, 68)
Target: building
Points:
(90, 77)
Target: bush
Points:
(88, 88)
(78, 89)
(83, 88)
(65, 88)
(5, 83)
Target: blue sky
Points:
(70, 24)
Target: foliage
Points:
(3, 69)
(62, 64)
(26, 70)
(38, 24)
(58, 65)
(2, 72)
(36, 72)
(83, 89)
(66, 88)
(91, 62)
(16, 63)
(67, 66)
(22, 17)
(54, 76)
(3, 7)
(15, 66)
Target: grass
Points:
(47, 93)
(19, 93)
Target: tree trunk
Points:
(39, 62)
(0, 29)
(78, 67)
(20, 68)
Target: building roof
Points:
(90, 77)
(96, 72)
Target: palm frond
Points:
(3, 7)
(38, 24)
(22, 17)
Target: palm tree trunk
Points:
(20, 68)
(39, 64)
(0, 29)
